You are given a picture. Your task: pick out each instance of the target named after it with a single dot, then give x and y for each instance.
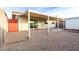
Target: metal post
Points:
(29, 23)
(48, 24)
(58, 23)
(33, 24)
(38, 23)
(63, 25)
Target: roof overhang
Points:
(17, 13)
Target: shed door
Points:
(12, 26)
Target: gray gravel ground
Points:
(41, 41)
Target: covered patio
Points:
(38, 20)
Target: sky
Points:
(62, 12)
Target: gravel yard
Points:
(41, 41)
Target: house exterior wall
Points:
(42, 25)
(35, 23)
(52, 24)
(22, 24)
(72, 24)
(3, 23)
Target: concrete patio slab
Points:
(41, 40)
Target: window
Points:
(53, 22)
(45, 22)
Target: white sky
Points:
(63, 12)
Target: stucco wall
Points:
(3, 23)
(43, 25)
(22, 24)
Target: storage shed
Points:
(12, 25)
(72, 23)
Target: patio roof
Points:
(32, 14)
(35, 15)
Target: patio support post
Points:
(29, 23)
(63, 25)
(38, 23)
(58, 23)
(48, 24)
(33, 24)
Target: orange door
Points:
(13, 25)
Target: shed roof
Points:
(71, 18)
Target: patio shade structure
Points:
(58, 23)
(36, 16)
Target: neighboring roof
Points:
(17, 13)
(71, 18)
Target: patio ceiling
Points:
(35, 16)
(38, 16)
